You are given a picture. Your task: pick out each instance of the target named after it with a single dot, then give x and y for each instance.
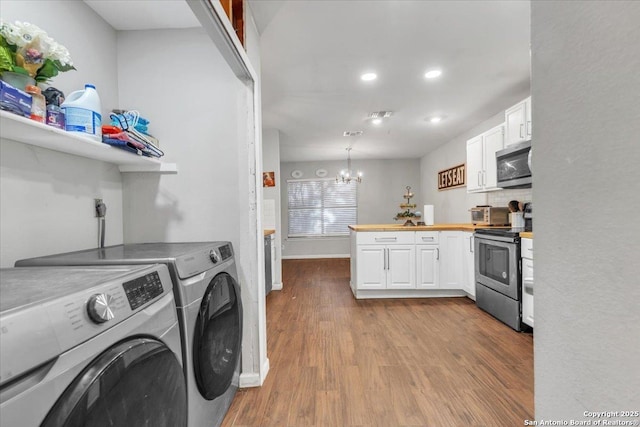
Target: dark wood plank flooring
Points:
(336, 361)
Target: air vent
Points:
(352, 133)
(380, 114)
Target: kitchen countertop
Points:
(269, 231)
(435, 227)
(526, 234)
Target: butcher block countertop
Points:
(435, 227)
(269, 231)
(526, 234)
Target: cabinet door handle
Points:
(388, 260)
(521, 129)
(427, 239)
(484, 177)
(437, 254)
(479, 182)
(384, 259)
(529, 127)
(471, 244)
(386, 239)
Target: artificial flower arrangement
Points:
(27, 49)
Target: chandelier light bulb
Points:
(346, 176)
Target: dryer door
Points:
(217, 336)
(137, 382)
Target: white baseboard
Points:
(265, 370)
(316, 256)
(252, 379)
(276, 287)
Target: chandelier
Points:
(347, 175)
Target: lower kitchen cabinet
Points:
(428, 259)
(527, 281)
(410, 264)
(451, 265)
(469, 269)
(385, 266)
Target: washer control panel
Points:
(225, 251)
(143, 289)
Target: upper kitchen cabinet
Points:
(235, 12)
(518, 122)
(481, 160)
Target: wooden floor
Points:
(337, 361)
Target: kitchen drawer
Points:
(527, 248)
(386, 238)
(427, 237)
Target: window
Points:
(321, 207)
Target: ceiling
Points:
(313, 53)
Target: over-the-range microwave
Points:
(514, 166)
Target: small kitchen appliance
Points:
(514, 166)
(488, 215)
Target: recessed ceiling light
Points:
(352, 133)
(367, 77)
(432, 74)
(376, 121)
(380, 114)
(435, 119)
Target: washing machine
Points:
(209, 308)
(90, 346)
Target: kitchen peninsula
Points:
(395, 261)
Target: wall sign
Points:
(268, 179)
(452, 178)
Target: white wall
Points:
(379, 196)
(271, 162)
(201, 117)
(46, 198)
(586, 118)
(193, 115)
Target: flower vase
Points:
(17, 80)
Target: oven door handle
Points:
(495, 238)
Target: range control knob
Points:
(99, 308)
(215, 258)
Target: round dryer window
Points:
(122, 387)
(218, 336)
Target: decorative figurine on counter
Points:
(407, 215)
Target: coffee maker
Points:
(528, 216)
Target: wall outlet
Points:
(100, 208)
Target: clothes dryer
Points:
(209, 305)
(90, 346)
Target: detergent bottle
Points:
(83, 112)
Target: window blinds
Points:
(321, 207)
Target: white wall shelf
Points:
(27, 131)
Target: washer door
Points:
(137, 382)
(217, 337)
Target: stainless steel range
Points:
(498, 274)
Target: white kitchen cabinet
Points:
(518, 122)
(481, 160)
(527, 281)
(451, 265)
(427, 259)
(468, 263)
(385, 260)
(475, 165)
